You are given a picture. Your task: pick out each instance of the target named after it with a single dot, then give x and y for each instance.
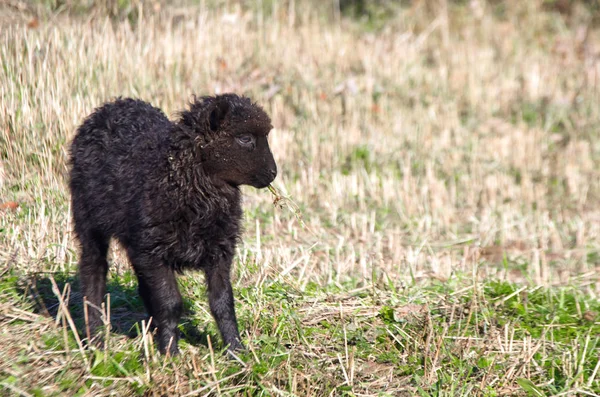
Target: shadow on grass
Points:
(126, 307)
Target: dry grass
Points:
(452, 145)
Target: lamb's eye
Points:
(245, 139)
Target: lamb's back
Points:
(115, 151)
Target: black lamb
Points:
(169, 193)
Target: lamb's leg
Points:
(146, 294)
(93, 269)
(220, 299)
(143, 287)
(159, 291)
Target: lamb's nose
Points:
(273, 172)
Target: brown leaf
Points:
(408, 310)
(222, 63)
(34, 23)
(589, 316)
(9, 205)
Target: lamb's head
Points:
(232, 134)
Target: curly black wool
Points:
(169, 193)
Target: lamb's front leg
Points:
(220, 299)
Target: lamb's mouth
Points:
(262, 181)
(261, 185)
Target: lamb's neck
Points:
(192, 187)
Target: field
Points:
(435, 229)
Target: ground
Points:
(434, 228)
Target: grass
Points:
(435, 229)
(340, 339)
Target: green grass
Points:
(341, 339)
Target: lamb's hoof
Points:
(96, 342)
(169, 350)
(173, 352)
(233, 351)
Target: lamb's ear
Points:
(218, 114)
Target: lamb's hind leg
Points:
(93, 269)
(159, 291)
